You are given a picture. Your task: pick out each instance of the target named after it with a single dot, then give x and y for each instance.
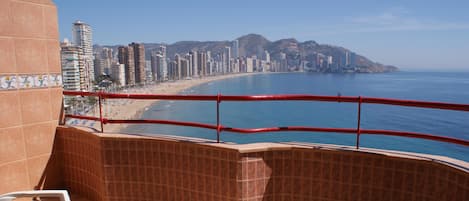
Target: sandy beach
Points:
(132, 109)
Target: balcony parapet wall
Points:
(127, 167)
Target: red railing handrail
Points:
(219, 98)
(349, 99)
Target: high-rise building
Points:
(202, 63)
(226, 60)
(283, 62)
(194, 67)
(133, 57)
(209, 55)
(177, 59)
(234, 49)
(164, 63)
(329, 61)
(321, 62)
(98, 65)
(184, 66)
(155, 58)
(106, 56)
(256, 64)
(236, 65)
(210, 63)
(189, 59)
(73, 71)
(139, 59)
(275, 66)
(172, 70)
(126, 57)
(82, 37)
(118, 73)
(102, 62)
(353, 59)
(148, 71)
(266, 56)
(249, 65)
(347, 59)
(209, 67)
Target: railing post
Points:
(218, 118)
(100, 111)
(358, 122)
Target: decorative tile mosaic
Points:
(55, 80)
(26, 81)
(41, 81)
(8, 82)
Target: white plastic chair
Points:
(61, 194)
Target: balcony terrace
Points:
(37, 152)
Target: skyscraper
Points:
(209, 67)
(82, 37)
(184, 66)
(209, 55)
(73, 71)
(177, 59)
(249, 65)
(210, 63)
(155, 58)
(194, 67)
(283, 62)
(106, 56)
(189, 59)
(266, 56)
(202, 63)
(164, 63)
(226, 60)
(118, 73)
(102, 62)
(329, 61)
(235, 49)
(139, 59)
(126, 57)
(219, 62)
(353, 59)
(172, 68)
(347, 59)
(98, 65)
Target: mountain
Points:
(297, 53)
(252, 44)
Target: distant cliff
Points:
(297, 53)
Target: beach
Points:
(133, 109)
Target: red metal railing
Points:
(219, 98)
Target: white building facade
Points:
(82, 37)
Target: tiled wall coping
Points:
(118, 167)
(268, 146)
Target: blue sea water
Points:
(446, 87)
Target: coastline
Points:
(132, 109)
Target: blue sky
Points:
(411, 34)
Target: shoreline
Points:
(131, 109)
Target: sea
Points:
(426, 86)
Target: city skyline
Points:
(400, 33)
